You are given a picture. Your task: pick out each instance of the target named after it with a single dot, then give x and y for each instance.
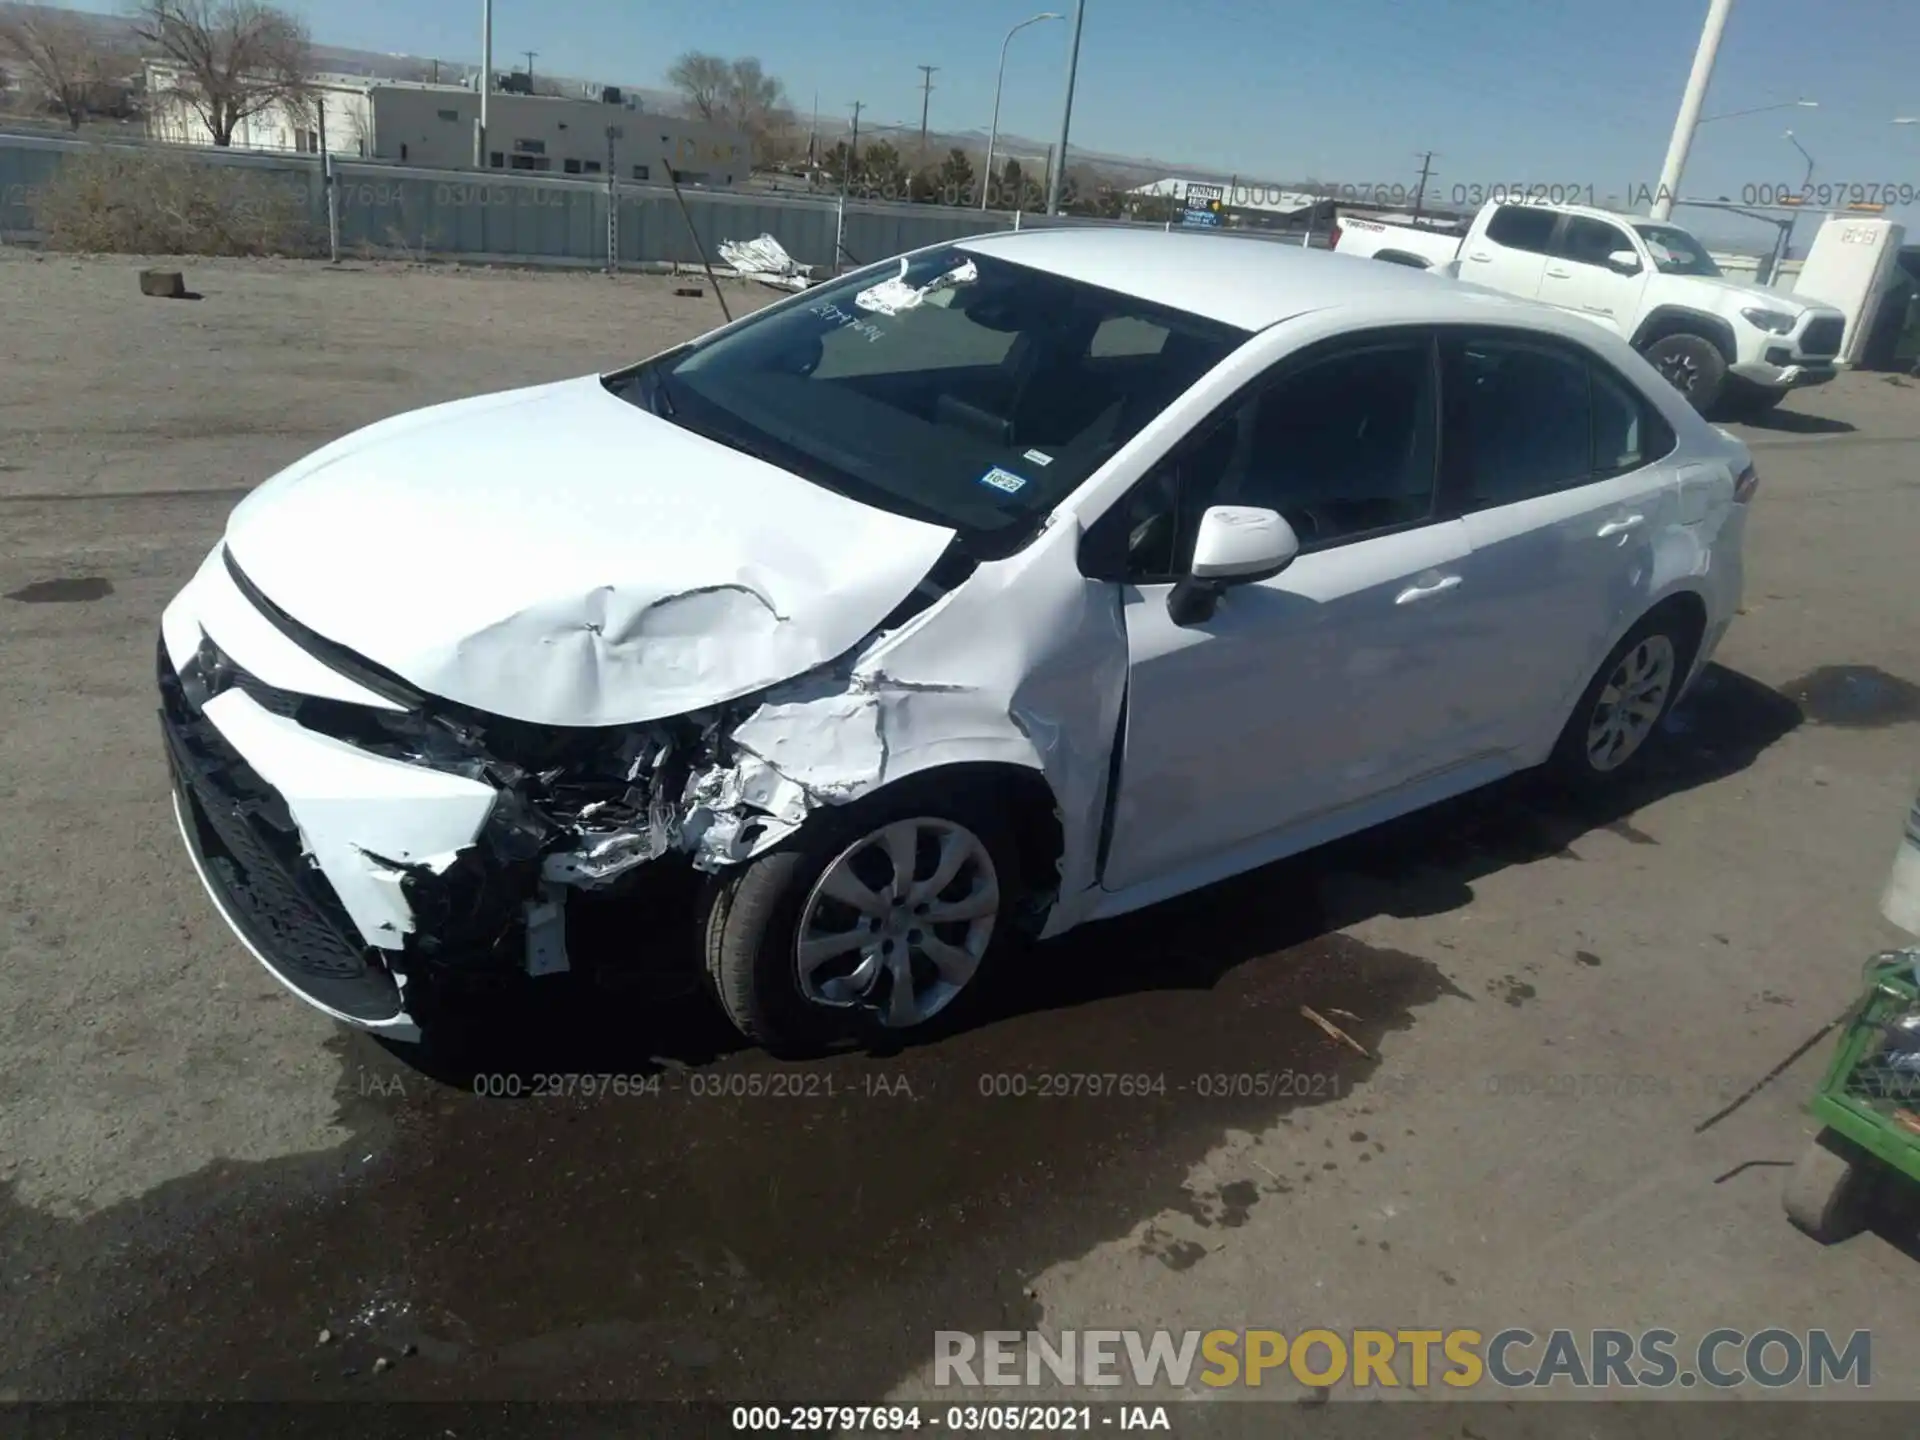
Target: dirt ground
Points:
(1566, 1012)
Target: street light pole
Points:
(1066, 109)
(1689, 116)
(1806, 183)
(993, 130)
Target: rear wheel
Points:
(1693, 365)
(873, 923)
(1607, 736)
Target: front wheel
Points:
(1693, 365)
(1607, 736)
(873, 923)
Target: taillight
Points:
(1333, 238)
(1744, 487)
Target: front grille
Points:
(1822, 336)
(250, 847)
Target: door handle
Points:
(1622, 526)
(1480, 255)
(1426, 591)
(1559, 274)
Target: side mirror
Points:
(1236, 545)
(1624, 262)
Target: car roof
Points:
(1238, 280)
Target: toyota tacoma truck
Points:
(1728, 347)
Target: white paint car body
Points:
(558, 561)
(1645, 280)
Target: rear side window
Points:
(1627, 431)
(1522, 227)
(1525, 417)
(1519, 420)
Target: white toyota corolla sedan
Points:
(1007, 585)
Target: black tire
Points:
(754, 912)
(1571, 760)
(1693, 365)
(1829, 1192)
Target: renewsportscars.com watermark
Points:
(1374, 1359)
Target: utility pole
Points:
(1690, 102)
(926, 94)
(486, 83)
(853, 153)
(530, 55)
(1420, 193)
(813, 142)
(1066, 109)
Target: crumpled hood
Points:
(557, 555)
(1725, 297)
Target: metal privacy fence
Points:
(383, 209)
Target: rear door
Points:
(1509, 253)
(1564, 474)
(1578, 276)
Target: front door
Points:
(1335, 680)
(1578, 276)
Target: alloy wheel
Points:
(1679, 372)
(899, 922)
(1631, 702)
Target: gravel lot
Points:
(198, 1175)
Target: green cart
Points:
(1868, 1106)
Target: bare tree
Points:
(237, 57)
(736, 93)
(68, 59)
(702, 81)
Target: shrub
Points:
(147, 204)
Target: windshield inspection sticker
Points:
(1005, 480)
(1038, 457)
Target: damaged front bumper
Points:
(376, 852)
(325, 861)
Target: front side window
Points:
(951, 386)
(1522, 227)
(1344, 446)
(1675, 252)
(1587, 241)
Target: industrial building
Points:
(434, 125)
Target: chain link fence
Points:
(383, 210)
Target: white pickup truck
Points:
(1726, 346)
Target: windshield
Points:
(950, 386)
(1675, 252)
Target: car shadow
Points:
(1794, 422)
(1422, 864)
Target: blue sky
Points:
(1341, 90)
